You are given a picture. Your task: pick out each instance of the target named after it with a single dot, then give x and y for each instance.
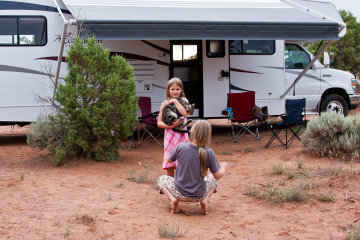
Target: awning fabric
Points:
(208, 19)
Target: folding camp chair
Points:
(127, 142)
(148, 121)
(294, 120)
(239, 111)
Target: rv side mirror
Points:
(326, 59)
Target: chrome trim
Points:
(354, 99)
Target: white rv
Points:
(215, 47)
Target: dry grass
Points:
(171, 231)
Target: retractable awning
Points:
(208, 19)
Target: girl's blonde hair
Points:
(171, 82)
(200, 135)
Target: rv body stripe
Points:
(10, 5)
(129, 56)
(306, 75)
(243, 71)
(278, 68)
(233, 87)
(63, 59)
(7, 68)
(156, 47)
(155, 85)
(125, 55)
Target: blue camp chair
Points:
(293, 121)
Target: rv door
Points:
(216, 76)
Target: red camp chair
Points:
(239, 111)
(148, 121)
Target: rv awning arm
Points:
(66, 23)
(309, 65)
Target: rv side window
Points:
(184, 52)
(26, 31)
(215, 48)
(252, 47)
(296, 57)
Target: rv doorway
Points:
(186, 64)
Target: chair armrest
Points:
(228, 112)
(152, 115)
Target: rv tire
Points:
(334, 103)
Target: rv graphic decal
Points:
(131, 56)
(243, 71)
(278, 68)
(7, 68)
(51, 58)
(164, 50)
(11, 5)
(233, 87)
(155, 85)
(69, 38)
(296, 73)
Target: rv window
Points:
(235, 47)
(23, 31)
(184, 52)
(295, 57)
(252, 47)
(8, 31)
(215, 48)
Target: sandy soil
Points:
(96, 200)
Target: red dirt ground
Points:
(95, 200)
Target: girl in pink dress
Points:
(174, 90)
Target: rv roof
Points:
(208, 19)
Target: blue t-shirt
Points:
(188, 178)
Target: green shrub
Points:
(97, 106)
(278, 168)
(333, 135)
(325, 197)
(38, 134)
(290, 174)
(274, 194)
(295, 194)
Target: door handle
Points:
(327, 75)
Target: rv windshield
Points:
(296, 57)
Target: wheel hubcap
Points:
(335, 106)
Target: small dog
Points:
(170, 114)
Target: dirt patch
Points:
(97, 200)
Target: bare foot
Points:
(203, 204)
(175, 206)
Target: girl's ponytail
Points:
(200, 135)
(202, 156)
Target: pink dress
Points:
(171, 140)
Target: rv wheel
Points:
(334, 103)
